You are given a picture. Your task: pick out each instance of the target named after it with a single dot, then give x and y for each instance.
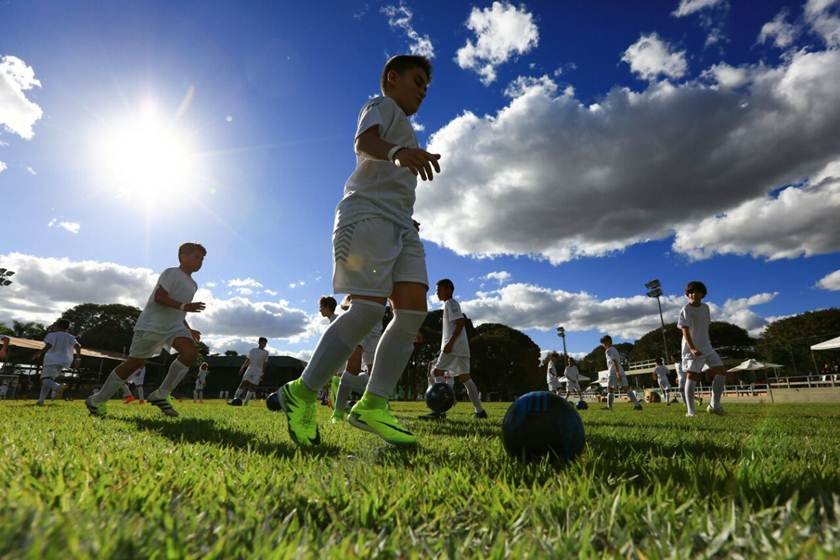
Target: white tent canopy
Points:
(832, 344)
(753, 365)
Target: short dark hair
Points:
(262, 338)
(62, 324)
(696, 286)
(191, 247)
(329, 301)
(403, 62)
(446, 283)
(659, 361)
(606, 338)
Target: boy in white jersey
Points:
(252, 371)
(200, 381)
(551, 377)
(454, 358)
(59, 346)
(697, 349)
(161, 325)
(618, 378)
(377, 255)
(661, 372)
(572, 376)
(136, 380)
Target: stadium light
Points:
(561, 332)
(5, 274)
(655, 291)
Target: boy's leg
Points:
(718, 385)
(690, 384)
(240, 390)
(46, 387)
(177, 370)
(472, 392)
(610, 397)
(140, 395)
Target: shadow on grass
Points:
(203, 430)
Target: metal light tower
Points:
(5, 275)
(561, 332)
(655, 291)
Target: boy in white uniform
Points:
(551, 377)
(661, 373)
(572, 376)
(252, 371)
(617, 376)
(59, 346)
(200, 381)
(136, 380)
(697, 349)
(454, 358)
(377, 255)
(161, 325)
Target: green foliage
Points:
(788, 341)
(730, 339)
(103, 326)
(35, 331)
(6, 330)
(505, 360)
(232, 353)
(763, 481)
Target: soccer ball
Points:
(235, 402)
(272, 402)
(440, 397)
(581, 405)
(541, 423)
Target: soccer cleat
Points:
(129, 399)
(481, 415)
(711, 410)
(637, 406)
(381, 422)
(300, 414)
(164, 404)
(141, 401)
(690, 415)
(433, 416)
(338, 416)
(97, 410)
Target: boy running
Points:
(661, 372)
(377, 255)
(697, 349)
(161, 325)
(618, 379)
(252, 371)
(59, 346)
(200, 381)
(551, 377)
(572, 376)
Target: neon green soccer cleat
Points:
(97, 410)
(375, 417)
(298, 403)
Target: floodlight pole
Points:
(5, 274)
(655, 291)
(561, 332)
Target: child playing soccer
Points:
(252, 371)
(661, 373)
(136, 379)
(697, 348)
(618, 378)
(161, 325)
(200, 381)
(551, 377)
(377, 255)
(454, 356)
(59, 346)
(572, 375)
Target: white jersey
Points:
(662, 374)
(256, 360)
(551, 378)
(165, 320)
(379, 188)
(614, 361)
(451, 314)
(572, 373)
(62, 345)
(138, 377)
(201, 378)
(697, 319)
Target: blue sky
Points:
(564, 177)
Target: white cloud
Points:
(502, 31)
(830, 281)
(779, 31)
(417, 125)
(650, 57)
(688, 7)
(526, 306)
(242, 317)
(210, 284)
(3, 166)
(823, 16)
(270, 292)
(399, 17)
(299, 284)
(72, 227)
(229, 118)
(726, 76)
(551, 177)
(500, 276)
(244, 283)
(31, 171)
(17, 113)
(219, 344)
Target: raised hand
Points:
(194, 307)
(418, 161)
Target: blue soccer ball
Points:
(440, 397)
(540, 424)
(272, 402)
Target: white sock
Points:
(348, 384)
(339, 341)
(393, 351)
(248, 396)
(177, 371)
(610, 399)
(690, 384)
(717, 390)
(665, 392)
(632, 394)
(238, 393)
(112, 384)
(472, 391)
(46, 386)
(140, 392)
(54, 390)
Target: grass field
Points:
(225, 483)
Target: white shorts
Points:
(694, 364)
(51, 371)
(368, 345)
(452, 364)
(664, 385)
(370, 256)
(573, 386)
(617, 381)
(145, 344)
(554, 386)
(253, 376)
(137, 379)
(199, 386)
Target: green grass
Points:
(221, 482)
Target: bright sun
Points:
(142, 156)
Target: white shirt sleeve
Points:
(370, 116)
(684, 320)
(50, 339)
(454, 310)
(167, 280)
